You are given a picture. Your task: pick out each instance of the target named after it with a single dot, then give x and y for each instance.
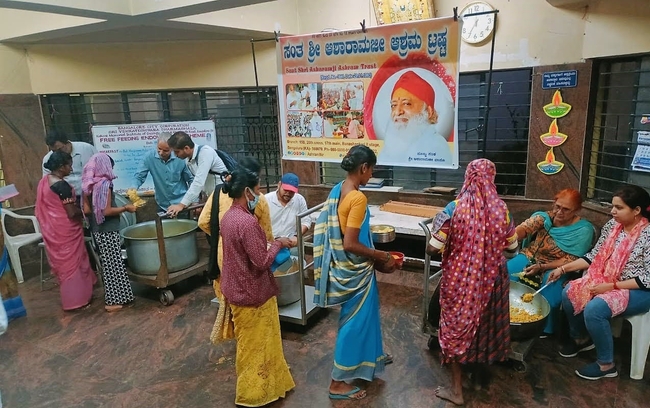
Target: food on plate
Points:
(522, 277)
(132, 195)
(381, 229)
(519, 315)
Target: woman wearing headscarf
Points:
(475, 234)
(250, 306)
(617, 282)
(61, 225)
(104, 218)
(344, 272)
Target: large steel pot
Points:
(287, 276)
(142, 246)
(524, 331)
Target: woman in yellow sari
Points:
(249, 308)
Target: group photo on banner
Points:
(392, 88)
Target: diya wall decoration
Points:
(554, 138)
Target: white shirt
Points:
(316, 125)
(329, 129)
(283, 218)
(81, 154)
(201, 165)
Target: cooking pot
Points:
(524, 331)
(287, 276)
(142, 246)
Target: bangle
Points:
(388, 256)
(562, 269)
(615, 285)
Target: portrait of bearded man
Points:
(411, 132)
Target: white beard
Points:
(402, 136)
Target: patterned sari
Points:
(342, 278)
(474, 288)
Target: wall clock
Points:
(477, 29)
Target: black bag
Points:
(227, 159)
(213, 266)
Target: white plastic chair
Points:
(640, 341)
(13, 243)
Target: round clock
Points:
(477, 29)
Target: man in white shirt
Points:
(316, 124)
(204, 163)
(81, 153)
(293, 98)
(285, 204)
(328, 125)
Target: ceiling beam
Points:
(92, 9)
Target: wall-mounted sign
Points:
(550, 165)
(560, 79)
(557, 108)
(645, 119)
(553, 138)
(641, 160)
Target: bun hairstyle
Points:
(57, 160)
(245, 175)
(357, 156)
(634, 196)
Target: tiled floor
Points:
(156, 356)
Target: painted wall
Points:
(14, 71)
(149, 66)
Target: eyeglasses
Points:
(558, 208)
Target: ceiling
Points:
(117, 21)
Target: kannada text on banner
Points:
(392, 88)
(128, 144)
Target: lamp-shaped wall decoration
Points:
(557, 108)
(401, 11)
(553, 138)
(550, 165)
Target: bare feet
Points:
(113, 308)
(449, 395)
(343, 389)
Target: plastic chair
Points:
(640, 341)
(13, 243)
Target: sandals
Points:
(348, 395)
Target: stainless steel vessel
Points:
(524, 331)
(142, 246)
(382, 233)
(287, 276)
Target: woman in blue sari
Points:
(344, 271)
(550, 240)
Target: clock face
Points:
(477, 28)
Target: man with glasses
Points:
(81, 153)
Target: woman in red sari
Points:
(475, 234)
(61, 224)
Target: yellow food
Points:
(396, 256)
(527, 297)
(381, 229)
(132, 195)
(519, 315)
(522, 277)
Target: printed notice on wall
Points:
(392, 88)
(127, 145)
(641, 160)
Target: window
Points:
(622, 99)
(506, 143)
(246, 119)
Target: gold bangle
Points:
(562, 269)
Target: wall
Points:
(317, 15)
(14, 71)
(149, 66)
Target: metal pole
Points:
(259, 110)
(486, 118)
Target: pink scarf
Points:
(606, 268)
(96, 180)
(473, 257)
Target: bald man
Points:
(411, 133)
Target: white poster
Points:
(127, 145)
(641, 160)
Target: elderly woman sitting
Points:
(550, 239)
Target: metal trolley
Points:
(163, 279)
(518, 350)
(299, 312)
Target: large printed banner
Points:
(128, 144)
(393, 88)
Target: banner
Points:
(393, 88)
(128, 144)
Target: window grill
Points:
(246, 119)
(622, 99)
(506, 143)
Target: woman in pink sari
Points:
(61, 224)
(617, 282)
(475, 234)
